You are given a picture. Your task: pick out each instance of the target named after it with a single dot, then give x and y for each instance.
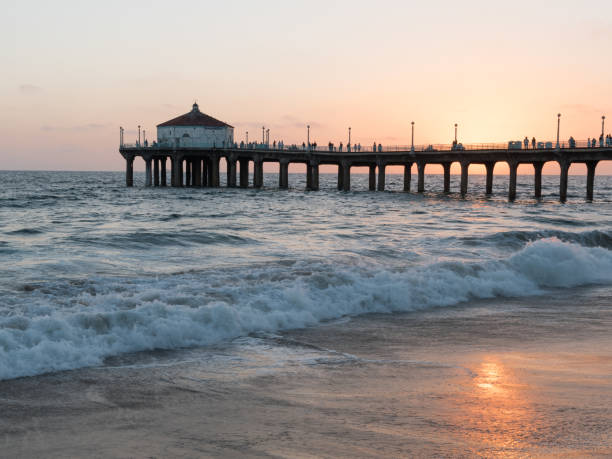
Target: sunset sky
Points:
(74, 71)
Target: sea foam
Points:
(76, 325)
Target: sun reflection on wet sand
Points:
(500, 414)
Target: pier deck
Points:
(199, 167)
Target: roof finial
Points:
(195, 106)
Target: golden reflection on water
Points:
(501, 415)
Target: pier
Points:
(199, 167)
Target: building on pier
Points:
(195, 130)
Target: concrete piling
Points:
(591, 165)
(381, 176)
(489, 185)
(407, 177)
(447, 177)
(421, 170)
(464, 177)
(512, 183)
(372, 177)
(537, 179)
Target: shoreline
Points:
(488, 378)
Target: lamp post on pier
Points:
(139, 135)
(456, 125)
(267, 136)
(247, 137)
(308, 136)
(412, 142)
(349, 136)
(263, 134)
(603, 121)
(558, 129)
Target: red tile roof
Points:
(195, 118)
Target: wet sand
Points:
(513, 378)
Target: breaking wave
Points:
(76, 325)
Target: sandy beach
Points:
(528, 378)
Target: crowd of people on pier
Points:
(280, 145)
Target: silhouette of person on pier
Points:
(533, 143)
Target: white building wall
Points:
(196, 136)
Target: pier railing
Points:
(518, 146)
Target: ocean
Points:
(304, 324)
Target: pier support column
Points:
(512, 184)
(407, 177)
(421, 169)
(196, 169)
(591, 165)
(340, 177)
(346, 176)
(537, 167)
(129, 171)
(156, 172)
(214, 167)
(565, 165)
(447, 177)
(244, 173)
(179, 173)
(209, 173)
(188, 172)
(205, 168)
(464, 177)
(308, 176)
(283, 175)
(148, 173)
(163, 171)
(381, 175)
(258, 173)
(489, 186)
(372, 178)
(231, 172)
(173, 172)
(313, 169)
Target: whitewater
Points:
(92, 270)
